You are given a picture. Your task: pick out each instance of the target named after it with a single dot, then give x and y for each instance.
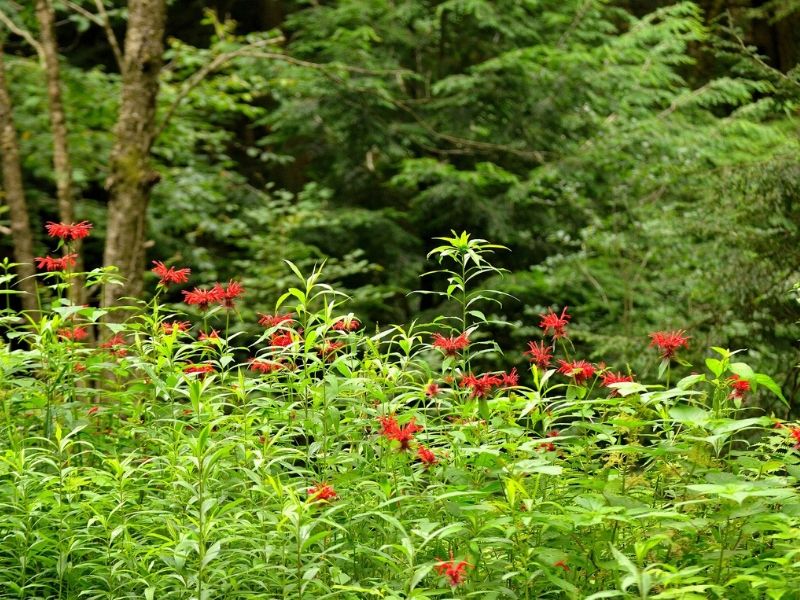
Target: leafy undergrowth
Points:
(321, 460)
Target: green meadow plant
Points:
(178, 456)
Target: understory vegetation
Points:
(180, 457)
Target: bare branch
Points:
(103, 22)
(217, 63)
(23, 33)
(112, 38)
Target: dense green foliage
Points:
(165, 465)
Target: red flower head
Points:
(171, 326)
(229, 293)
(610, 377)
(208, 337)
(171, 274)
(274, 320)
(739, 386)
(330, 347)
(550, 446)
(426, 456)
(75, 334)
(79, 367)
(554, 324)
(199, 369)
(346, 324)
(579, 370)
(93, 411)
(539, 354)
(264, 366)
(321, 492)
(669, 341)
(561, 564)
(511, 379)
(49, 263)
(202, 298)
(451, 346)
(280, 340)
(73, 231)
(116, 345)
(454, 571)
(391, 430)
(480, 386)
(795, 433)
(431, 390)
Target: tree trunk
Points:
(62, 166)
(130, 174)
(15, 197)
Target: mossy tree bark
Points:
(14, 195)
(131, 176)
(62, 165)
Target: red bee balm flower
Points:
(391, 430)
(280, 340)
(330, 347)
(73, 231)
(561, 564)
(208, 337)
(75, 334)
(610, 377)
(579, 370)
(480, 386)
(431, 390)
(229, 293)
(50, 263)
(669, 341)
(321, 492)
(200, 369)
(274, 320)
(346, 324)
(92, 411)
(454, 571)
(554, 324)
(172, 326)
(202, 298)
(451, 346)
(739, 386)
(171, 274)
(539, 354)
(795, 433)
(264, 366)
(115, 345)
(426, 456)
(550, 446)
(510, 379)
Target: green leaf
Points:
(742, 370)
(767, 382)
(715, 366)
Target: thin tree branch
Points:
(327, 66)
(192, 82)
(104, 23)
(23, 33)
(112, 38)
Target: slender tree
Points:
(14, 195)
(131, 176)
(62, 165)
